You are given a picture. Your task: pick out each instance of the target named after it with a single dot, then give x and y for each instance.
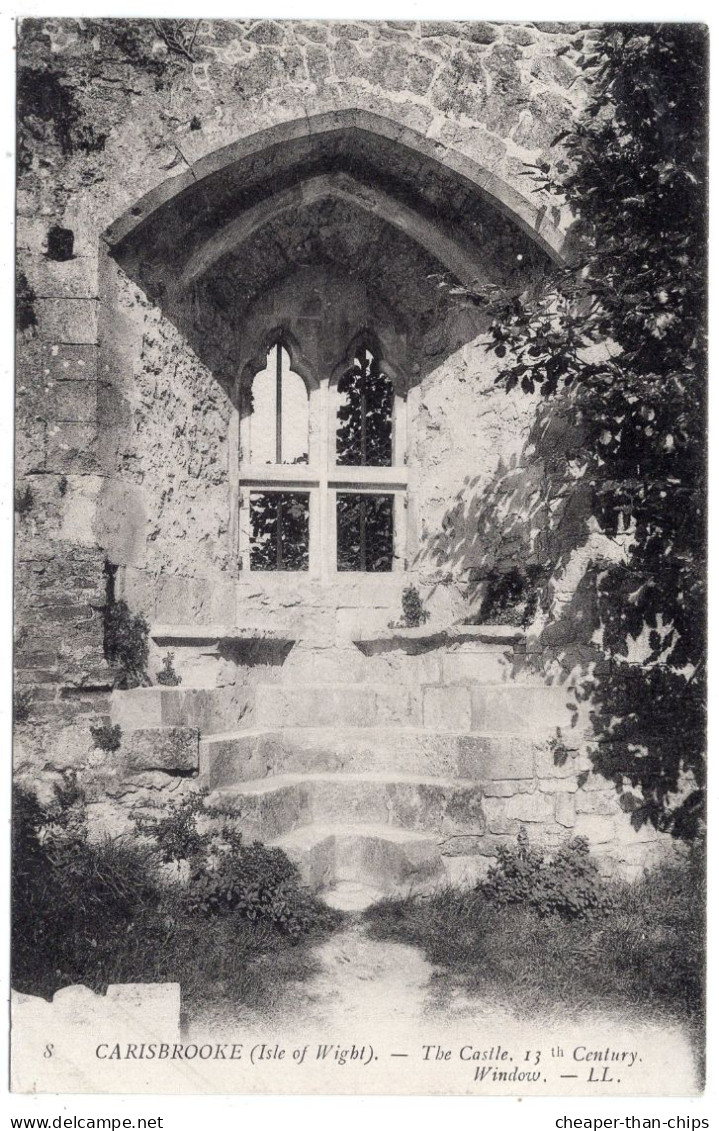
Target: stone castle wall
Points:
(127, 430)
(497, 94)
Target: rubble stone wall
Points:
(125, 435)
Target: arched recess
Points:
(332, 131)
(435, 237)
(178, 242)
(347, 192)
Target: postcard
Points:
(360, 557)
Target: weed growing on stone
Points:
(21, 705)
(107, 737)
(414, 613)
(24, 501)
(126, 644)
(167, 676)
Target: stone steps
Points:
(462, 704)
(378, 772)
(273, 806)
(388, 860)
(173, 750)
(352, 895)
(208, 709)
(494, 759)
(379, 861)
(324, 704)
(502, 708)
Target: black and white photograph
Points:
(360, 556)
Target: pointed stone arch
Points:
(435, 237)
(297, 140)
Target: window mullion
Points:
(279, 531)
(363, 533)
(278, 406)
(363, 410)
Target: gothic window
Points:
(365, 439)
(364, 414)
(279, 425)
(280, 530)
(365, 541)
(322, 474)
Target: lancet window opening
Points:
(365, 412)
(343, 511)
(279, 421)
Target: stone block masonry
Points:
(314, 185)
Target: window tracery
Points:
(330, 504)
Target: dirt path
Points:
(379, 994)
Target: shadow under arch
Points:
(436, 237)
(293, 140)
(207, 244)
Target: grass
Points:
(218, 962)
(107, 913)
(645, 955)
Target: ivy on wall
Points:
(618, 339)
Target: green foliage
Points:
(618, 339)
(414, 613)
(125, 643)
(66, 890)
(227, 877)
(25, 299)
(364, 416)
(645, 959)
(24, 501)
(566, 884)
(255, 882)
(364, 532)
(22, 704)
(107, 737)
(511, 596)
(174, 829)
(280, 530)
(101, 913)
(168, 677)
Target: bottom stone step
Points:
(371, 862)
(379, 856)
(352, 896)
(268, 807)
